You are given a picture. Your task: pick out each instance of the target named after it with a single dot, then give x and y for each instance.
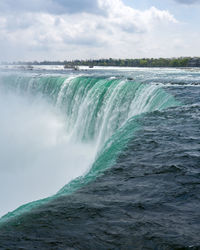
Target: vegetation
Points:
(144, 62)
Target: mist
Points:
(37, 156)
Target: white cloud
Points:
(120, 31)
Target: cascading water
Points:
(99, 117)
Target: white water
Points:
(36, 156)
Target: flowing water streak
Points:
(61, 92)
(99, 112)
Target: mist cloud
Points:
(36, 156)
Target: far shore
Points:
(180, 62)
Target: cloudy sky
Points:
(84, 29)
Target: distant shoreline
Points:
(181, 62)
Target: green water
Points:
(102, 112)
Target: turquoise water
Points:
(99, 111)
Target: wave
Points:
(100, 112)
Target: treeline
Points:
(144, 62)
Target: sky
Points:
(92, 29)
